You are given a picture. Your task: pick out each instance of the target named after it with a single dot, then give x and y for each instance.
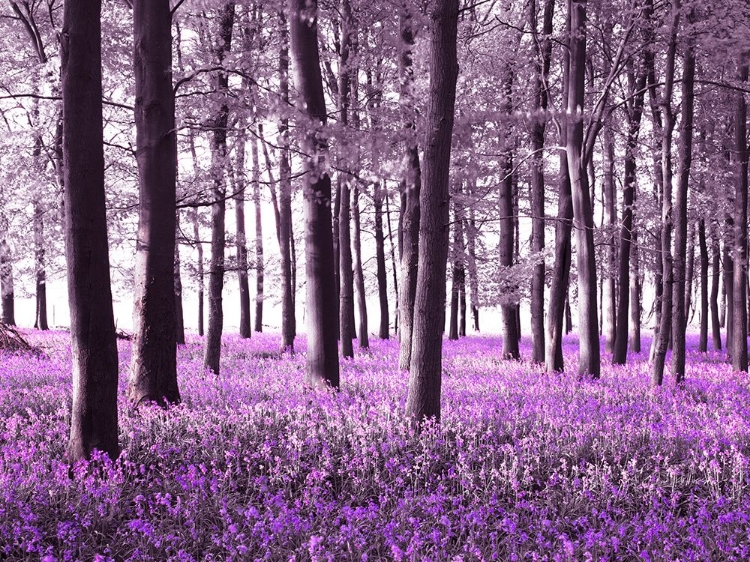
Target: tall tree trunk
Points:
(455, 280)
(543, 53)
(212, 352)
(689, 276)
(238, 173)
(93, 420)
(662, 338)
(153, 368)
(6, 284)
(609, 298)
(288, 316)
(382, 274)
(411, 185)
(558, 294)
(179, 311)
(714, 298)
(703, 246)
(471, 259)
(394, 263)
(40, 321)
(729, 284)
(635, 297)
(322, 348)
(634, 111)
(259, 259)
(200, 272)
(359, 275)
(423, 400)
(739, 304)
(583, 220)
(680, 307)
(508, 308)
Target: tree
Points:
(6, 284)
(423, 400)
(238, 173)
(322, 349)
(153, 370)
(259, 264)
(212, 351)
(93, 422)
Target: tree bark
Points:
(423, 399)
(322, 348)
(259, 258)
(6, 284)
(93, 421)
(359, 275)
(212, 351)
(200, 272)
(635, 296)
(238, 173)
(394, 263)
(583, 220)
(703, 247)
(609, 298)
(288, 316)
(382, 274)
(739, 304)
(508, 308)
(471, 259)
(179, 311)
(40, 321)
(411, 185)
(714, 298)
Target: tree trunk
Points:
(680, 307)
(583, 220)
(93, 421)
(238, 173)
(471, 260)
(394, 263)
(689, 276)
(508, 308)
(665, 322)
(288, 317)
(543, 52)
(411, 185)
(634, 112)
(179, 312)
(322, 348)
(423, 400)
(635, 297)
(382, 274)
(609, 298)
(359, 275)
(212, 352)
(703, 246)
(259, 259)
(200, 272)
(6, 284)
(713, 301)
(739, 304)
(40, 321)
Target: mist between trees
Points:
(355, 169)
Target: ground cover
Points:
(254, 466)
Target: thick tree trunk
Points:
(212, 352)
(423, 400)
(322, 348)
(680, 307)
(508, 308)
(543, 52)
(288, 316)
(359, 274)
(411, 185)
(153, 368)
(739, 304)
(583, 220)
(259, 258)
(703, 246)
(93, 421)
(238, 173)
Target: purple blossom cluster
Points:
(255, 466)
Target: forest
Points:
(409, 280)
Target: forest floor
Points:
(255, 466)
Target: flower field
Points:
(255, 466)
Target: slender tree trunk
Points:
(583, 220)
(680, 307)
(713, 301)
(288, 317)
(212, 352)
(259, 259)
(40, 321)
(394, 263)
(423, 400)
(322, 348)
(739, 304)
(509, 318)
(689, 276)
(93, 420)
(471, 259)
(453, 319)
(665, 322)
(609, 298)
(411, 185)
(543, 52)
(200, 272)
(382, 274)
(179, 311)
(359, 274)
(703, 246)
(6, 284)
(238, 173)
(635, 298)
